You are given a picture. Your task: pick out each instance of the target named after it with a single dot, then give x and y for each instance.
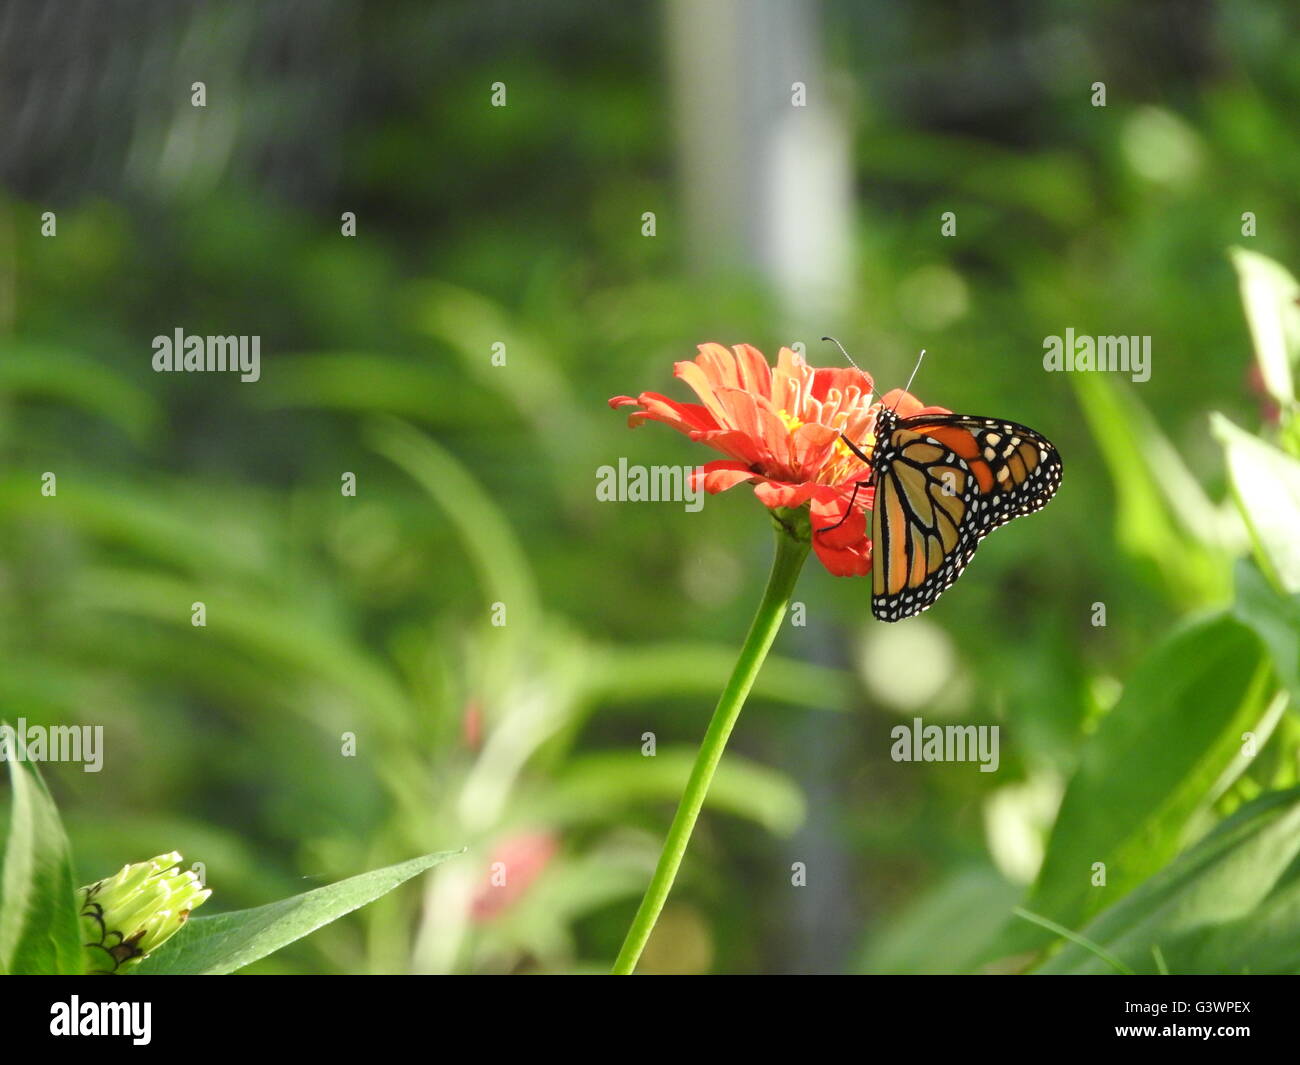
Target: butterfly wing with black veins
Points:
(944, 482)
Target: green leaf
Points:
(194, 531)
(653, 672)
(38, 896)
(371, 384)
(1080, 941)
(1155, 761)
(1231, 904)
(488, 538)
(470, 325)
(1266, 482)
(266, 630)
(1051, 184)
(945, 929)
(597, 784)
(46, 372)
(1270, 295)
(1276, 620)
(212, 946)
(1161, 514)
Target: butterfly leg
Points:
(847, 510)
(855, 449)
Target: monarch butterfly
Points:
(944, 482)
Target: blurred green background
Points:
(773, 223)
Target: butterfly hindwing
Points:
(943, 483)
(919, 523)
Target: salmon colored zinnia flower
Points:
(782, 429)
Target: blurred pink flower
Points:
(516, 863)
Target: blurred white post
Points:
(767, 182)
(768, 189)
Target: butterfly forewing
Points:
(943, 483)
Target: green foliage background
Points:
(1121, 743)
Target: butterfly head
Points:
(886, 422)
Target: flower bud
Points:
(127, 916)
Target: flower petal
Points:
(841, 378)
(827, 510)
(738, 445)
(853, 561)
(790, 382)
(684, 417)
(721, 474)
(811, 445)
(844, 550)
(906, 405)
(703, 377)
(754, 374)
(783, 494)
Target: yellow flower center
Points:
(843, 460)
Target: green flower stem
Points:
(792, 542)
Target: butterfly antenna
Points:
(849, 357)
(845, 354)
(911, 377)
